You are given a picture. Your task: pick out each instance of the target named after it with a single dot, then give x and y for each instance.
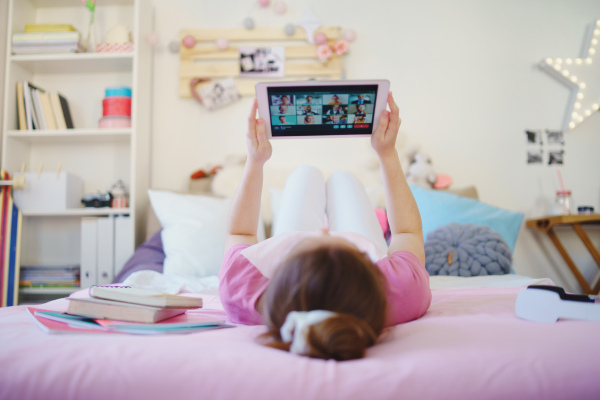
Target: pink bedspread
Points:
(469, 345)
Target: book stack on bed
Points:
(123, 309)
(46, 38)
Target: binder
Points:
(10, 243)
(105, 254)
(124, 245)
(89, 251)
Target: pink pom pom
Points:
(264, 3)
(189, 41)
(350, 35)
(320, 38)
(152, 39)
(280, 7)
(222, 43)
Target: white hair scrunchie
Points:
(295, 328)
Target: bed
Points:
(469, 345)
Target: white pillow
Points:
(194, 230)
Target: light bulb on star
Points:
(582, 76)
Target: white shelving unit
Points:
(99, 156)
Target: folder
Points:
(124, 245)
(89, 251)
(105, 255)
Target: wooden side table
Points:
(547, 224)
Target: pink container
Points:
(115, 122)
(117, 105)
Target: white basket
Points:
(49, 191)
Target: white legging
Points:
(307, 198)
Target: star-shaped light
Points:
(582, 76)
(310, 23)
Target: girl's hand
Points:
(259, 147)
(383, 140)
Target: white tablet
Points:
(321, 108)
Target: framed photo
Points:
(262, 62)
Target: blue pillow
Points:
(439, 208)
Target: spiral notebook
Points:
(144, 297)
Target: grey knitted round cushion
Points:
(466, 250)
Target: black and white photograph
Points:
(555, 137)
(534, 136)
(535, 157)
(262, 62)
(556, 157)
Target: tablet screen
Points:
(322, 110)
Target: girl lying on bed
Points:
(325, 292)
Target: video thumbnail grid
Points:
(322, 109)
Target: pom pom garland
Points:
(350, 35)
(189, 41)
(280, 7)
(222, 43)
(320, 39)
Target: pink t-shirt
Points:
(241, 284)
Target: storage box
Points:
(49, 191)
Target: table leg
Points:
(586, 287)
(590, 246)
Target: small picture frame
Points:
(535, 156)
(218, 94)
(262, 62)
(534, 136)
(555, 137)
(556, 157)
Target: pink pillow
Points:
(383, 221)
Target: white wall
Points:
(465, 76)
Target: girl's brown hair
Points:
(342, 280)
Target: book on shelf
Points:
(144, 297)
(49, 276)
(46, 42)
(57, 322)
(47, 111)
(39, 109)
(108, 309)
(62, 114)
(31, 28)
(21, 107)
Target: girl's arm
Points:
(242, 222)
(403, 215)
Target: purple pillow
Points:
(148, 256)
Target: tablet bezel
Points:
(383, 87)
